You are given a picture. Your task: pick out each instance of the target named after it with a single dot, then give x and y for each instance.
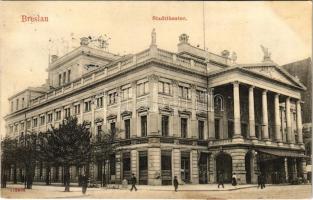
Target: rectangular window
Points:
(217, 128)
(201, 129)
(99, 131)
(22, 126)
(28, 124)
(99, 102)
(230, 129)
(64, 77)
(15, 127)
(77, 109)
(184, 127)
(113, 98)
(67, 112)
(87, 106)
(143, 126)
(112, 128)
(11, 129)
(126, 93)
(184, 92)
(42, 120)
(69, 76)
(23, 102)
(127, 128)
(58, 115)
(164, 87)
(165, 125)
(142, 88)
(16, 104)
(49, 117)
(35, 122)
(200, 96)
(60, 79)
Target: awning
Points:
(282, 153)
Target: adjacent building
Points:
(191, 114)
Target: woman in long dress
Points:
(234, 180)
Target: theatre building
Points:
(191, 114)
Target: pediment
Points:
(275, 73)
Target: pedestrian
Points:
(175, 183)
(259, 180)
(84, 183)
(262, 181)
(234, 180)
(133, 182)
(220, 179)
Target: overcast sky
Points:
(283, 27)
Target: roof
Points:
(34, 89)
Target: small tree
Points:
(103, 147)
(8, 157)
(66, 146)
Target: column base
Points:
(268, 142)
(280, 143)
(237, 140)
(292, 145)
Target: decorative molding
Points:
(111, 116)
(166, 109)
(99, 120)
(126, 113)
(143, 109)
(153, 77)
(184, 113)
(201, 115)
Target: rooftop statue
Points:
(183, 38)
(153, 37)
(267, 54)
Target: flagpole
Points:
(203, 16)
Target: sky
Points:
(285, 28)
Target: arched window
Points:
(218, 103)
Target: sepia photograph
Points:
(156, 100)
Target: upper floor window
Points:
(164, 87)
(126, 93)
(143, 126)
(200, 96)
(58, 115)
(42, 120)
(64, 77)
(35, 122)
(99, 131)
(17, 104)
(87, 106)
(22, 126)
(127, 128)
(201, 129)
(77, 109)
(113, 129)
(142, 88)
(99, 102)
(69, 76)
(49, 117)
(23, 102)
(183, 126)
(15, 127)
(28, 123)
(60, 79)
(67, 112)
(165, 122)
(184, 92)
(113, 98)
(11, 129)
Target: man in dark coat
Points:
(133, 182)
(220, 179)
(259, 180)
(175, 183)
(84, 183)
(262, 181)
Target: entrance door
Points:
(248, 168)
(203, 168)
(224, 165)
(166, 167)
(217, 128)
(185, 167)
(126, 166)
(143, 168)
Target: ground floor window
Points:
(201, 129)
(166, 167)
(143, 167)
(126, 166)
(185, 167)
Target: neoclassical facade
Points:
(191, 114)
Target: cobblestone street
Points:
(162, 192)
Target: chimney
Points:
(54, 58)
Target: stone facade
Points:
(191, 114)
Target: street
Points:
(165, 192)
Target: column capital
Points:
(251, 87)
(277, 95)
(210, 91)
(264, 92)
(235, 83)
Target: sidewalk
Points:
(187, 187)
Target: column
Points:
(303, 168)
(264, 116)
(295, 167)
(175, 106)
(237, 125)
(194, 127)
(210, 122)
(153, 128)
(194, 167)
(278, 134)
(92, 125)
(288, 120)
(118, 167)
(251, 114)
(154, 166)
(133, 120)
(238, 164)
(176, 164)
(286, 169)
(118, 115)
(105, 108)
(299, 123)
(134, 162)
